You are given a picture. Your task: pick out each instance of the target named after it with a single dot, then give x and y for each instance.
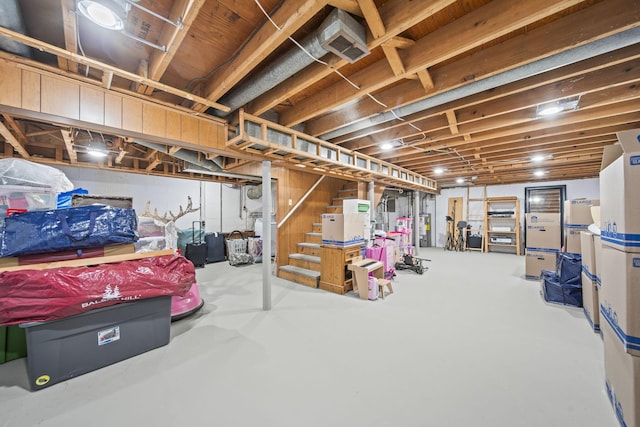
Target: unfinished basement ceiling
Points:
(456, 85)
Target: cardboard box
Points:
(622, 379)
(620, 204)
(572, 238)
(543, 230)
(587, 250)
(343, 229)
(597, 253)
(62, 349)
(620, 296)
(590, 301)
(538, 260)
(578, 211)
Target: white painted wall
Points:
(222, 205)
(582, 188)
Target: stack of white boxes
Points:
(543, 242)
(577, 217)
(619, 271)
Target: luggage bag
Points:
(196, 252)
(215, 247)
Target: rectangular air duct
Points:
(344, 36)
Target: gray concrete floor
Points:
(469, 343)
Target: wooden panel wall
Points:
(68, 101)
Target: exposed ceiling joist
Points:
(289, 17)
(68, 143)
(171, 37)
(497, 17)
(8, 136)
(398, 16)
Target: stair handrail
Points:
(302, 199)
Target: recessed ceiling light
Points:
(438, 171)
(537, 158)
(539, 173)
(551, 108)
(386, 146)
(460, 180)
(109, 14)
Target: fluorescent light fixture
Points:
(460, 180)
(386, 146)
(96, 153)
(438, 171)
(539, 173)
(555, 107)
(109, 14)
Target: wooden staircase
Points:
(304, 265)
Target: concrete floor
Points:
(469, 343)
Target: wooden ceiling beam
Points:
(172, 38)
(472, 30)
(70, 27)
(590, 24)
(350, 6)
(453, 122)
(398, 16)
(601, 86)
(371, 15)
(67, 135)
(290, 16)
(8, 136)
(54, 50)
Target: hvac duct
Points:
(11, 18)
(571, 56)
(339, 33)
(184, 154)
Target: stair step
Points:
(317, 228)
(309, 245)
(300, 271)
(304, 257)
(308, 248)
(313, 233)
(344, 198)
(300, 275)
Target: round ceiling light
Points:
(108, 14)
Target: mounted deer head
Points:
(174, 217)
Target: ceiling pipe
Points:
(571, 56)
(291, 62)
(11, 18)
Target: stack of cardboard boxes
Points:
(577, 217)
(591, 249)
(543, 242)
(619, 271)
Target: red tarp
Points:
(42, 295)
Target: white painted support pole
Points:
(416, 222)
(372, 210)
(266, 235)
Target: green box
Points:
(3, 344)
(16, 343)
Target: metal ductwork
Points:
(339, 33)
(11, 18)
(184, 154)
(571, 56)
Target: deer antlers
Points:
(174, 217)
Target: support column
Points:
(266, 235)
(416, 222)
(372, 212)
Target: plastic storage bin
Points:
(63, 349)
